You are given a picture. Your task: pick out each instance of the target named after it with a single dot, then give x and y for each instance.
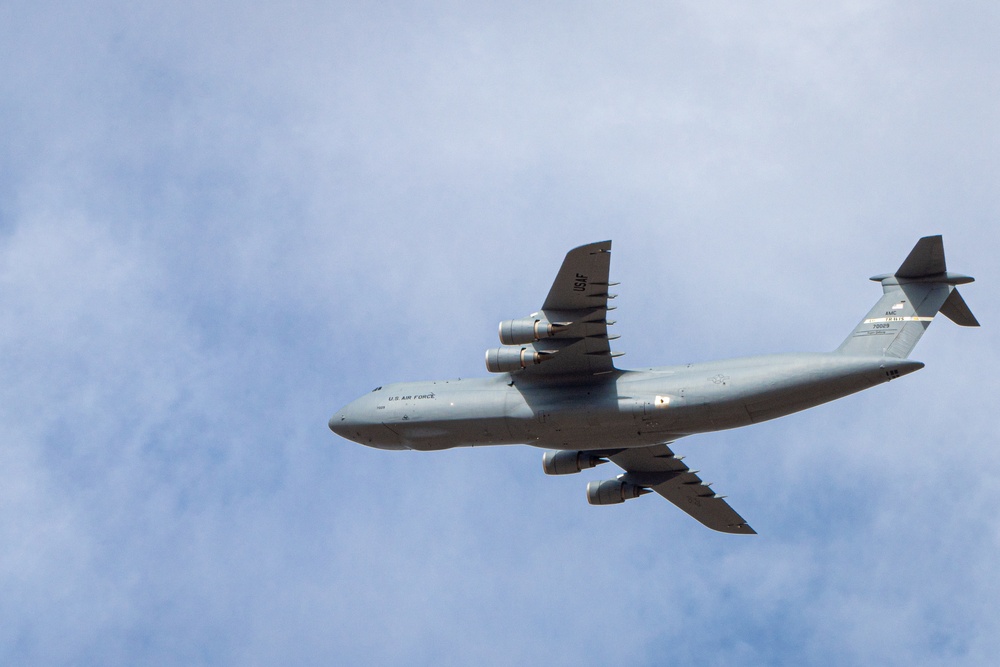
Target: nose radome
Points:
(341, 424)
(353, 423)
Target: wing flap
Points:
(659, 469)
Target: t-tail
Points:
(920, 288)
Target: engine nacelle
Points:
(569, 462)
(506, 359)
(525, 330)
(613, 492)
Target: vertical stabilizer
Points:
(911, 297)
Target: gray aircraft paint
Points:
(570, 397)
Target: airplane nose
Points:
(353, 422)
(341, 424)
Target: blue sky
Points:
(218, 224)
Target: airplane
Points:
(554, 385)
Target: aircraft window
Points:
(376, 389)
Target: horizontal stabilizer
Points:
(926, 259)
(956, 310)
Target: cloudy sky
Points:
(218, 224)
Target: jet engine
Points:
(528, 330)
(569, 462)
(504, 359)
(613, 492)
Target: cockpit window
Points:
(376, 389)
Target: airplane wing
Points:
(577, 308)
(657, 468)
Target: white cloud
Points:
(220, 223)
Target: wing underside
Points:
(579, 298)
(658, 469)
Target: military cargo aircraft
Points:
(555, 386)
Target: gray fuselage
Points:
(624, 409)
